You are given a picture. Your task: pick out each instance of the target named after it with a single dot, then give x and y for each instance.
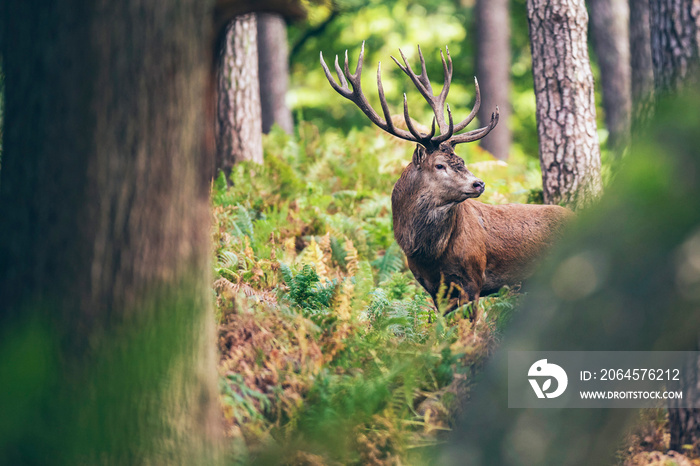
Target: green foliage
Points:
(392, 261)
(329, 346)
(306, 289)
(387, 25)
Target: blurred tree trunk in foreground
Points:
(273, 72)
(609, 20)
(566, 116)
(493, 71)
(615, 283)
(239, 129)
(640, 61)
(684, 423)
(106, 329)
(675, 32)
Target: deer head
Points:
(435, 166)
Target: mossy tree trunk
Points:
(239, 126)
(566, 115)
(492, 23)
(106, 328)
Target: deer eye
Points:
(440, 167)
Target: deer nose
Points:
(479, 186)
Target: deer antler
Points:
(422, 82)
(358, 98)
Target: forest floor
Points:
(647, 443)
(330, 352)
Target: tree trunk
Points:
(640, 60)
(684, 423)
(493, 71)
(610, 34)
(273, 69)
(239, 129)
(566, 118)
(675, 34)
(106, 327)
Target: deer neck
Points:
(421, 228)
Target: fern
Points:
(228, 266)
(306, 289)
(244, 222)
(346, 361)
(392, 261)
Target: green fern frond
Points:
(390, 262)
(244, 222)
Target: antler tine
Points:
(419, 137)
(344, 91)
(475, 109)
(358, 68)
(406, 68)
(447, 73)
(424, 139)
(424, 73)
(339, 72)
(450, 128)
(382, 99)
(477, 133)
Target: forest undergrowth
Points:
(330, 352)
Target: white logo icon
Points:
(543, 369)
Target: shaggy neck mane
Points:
(421, 228)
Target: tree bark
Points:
(610, 37)
(239, 129)
(273, 72)
(493, 71)
(684, 423)
(640, 61)
(104, 239)
(566, 117)
(675, 35)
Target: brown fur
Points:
(474, 247)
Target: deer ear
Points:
(418, 155)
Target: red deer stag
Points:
(475, 248)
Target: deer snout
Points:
(474, 188)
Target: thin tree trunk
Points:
(566, 117)
(104, 235)
(610, 34)
(640, 61)
(239, 129)
(493, 71)
(675, 37)
(273, 66)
